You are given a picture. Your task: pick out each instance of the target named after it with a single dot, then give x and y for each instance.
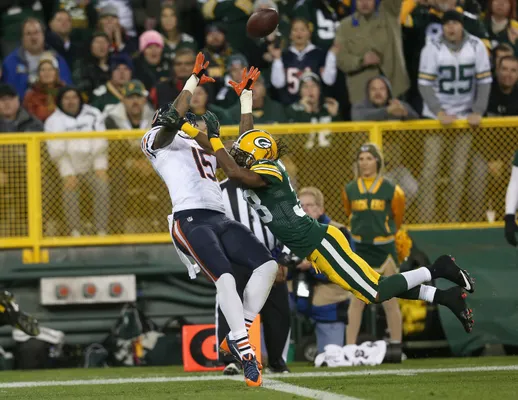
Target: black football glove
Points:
(171, 119)
(212, 123)
(510, 229)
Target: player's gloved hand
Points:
(171, 119)
(510, 229)
(247, 80)
(213, 125)
(200, 69)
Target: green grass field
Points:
(460, 378)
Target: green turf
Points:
(499, 385)
(217, 390)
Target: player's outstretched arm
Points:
(181, 104)
(244, 91)
(232, 170)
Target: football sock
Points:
(257, 290)
(395, 285)
(231, 304)
(421, 292)
(241, 339)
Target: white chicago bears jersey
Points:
(454, 75)
(187, 170)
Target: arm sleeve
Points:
(428, 65)
(484, 79)
(278, 75)
(430, 99)
(346, 60)
(329, 71)
(56, 148)
(64, 71)
(347, 204)
(268, 171)
(511, 197)
(398, 206)
(392, 6)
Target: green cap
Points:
(134, 87)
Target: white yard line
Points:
(270, 379)
(303, 391)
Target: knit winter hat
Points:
(48, 57)
(148, 38)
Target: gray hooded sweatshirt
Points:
(368, 111)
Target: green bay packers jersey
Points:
(279, 208)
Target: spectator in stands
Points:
(13, 117)
(380, 105)
(118, 37)
(122, 10)
(325, 17)
(503, 100)
(301, 56)
(370, 43)
(312, 107)
(93, 70)
(133, 112)
(169, 89)
(174, 38)
(375, 207)
(20, 68)
(226, 96)
(232, 15)
(201, 101)
(151, 67)
(264, 109)
(40, 100)
(58, 36)
(328, 304)
(12, 16)
(110, 93)
(500, 51)
(216, 51)
(424, 23)
(80, 160)
(446, 97)
(501, 24)
(83, 15)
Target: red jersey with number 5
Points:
(188, 171)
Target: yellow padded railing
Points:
(453, 177)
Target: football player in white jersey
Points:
(454, 82)
(199, 226)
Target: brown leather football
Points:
(262, 22)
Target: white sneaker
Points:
(232, 369)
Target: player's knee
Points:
(226, 281)
(268, 269)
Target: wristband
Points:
(216, 144)
(189, 129)
(246, 101)
(191, 83)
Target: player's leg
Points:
(197, 236)
(243, 248)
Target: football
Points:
(262, 22)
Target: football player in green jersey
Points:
(254, 162)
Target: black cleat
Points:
(10, 314)
(446, 267)
(277, 367)
(455, 299)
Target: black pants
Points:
(275, 317)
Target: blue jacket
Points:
(15, 71)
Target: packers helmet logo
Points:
(263, 143)
(131, 86)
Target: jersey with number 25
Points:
(187, 170)
(279, 209)
(454, 74)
